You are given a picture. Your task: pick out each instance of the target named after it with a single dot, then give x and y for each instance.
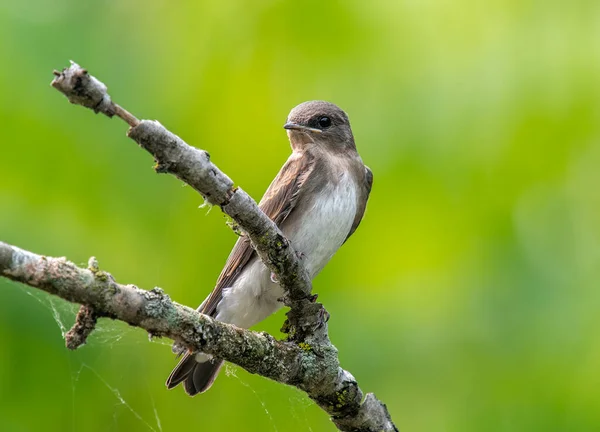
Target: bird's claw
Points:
(323, 317)
(274, 278)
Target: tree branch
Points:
(193, 166)
(153, 311)
(306, 360)
(317, 372)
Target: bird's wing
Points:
(277, 203)
(365, 186)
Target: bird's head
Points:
(319, 123)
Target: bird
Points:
(317, 199)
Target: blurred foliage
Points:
(467, 300)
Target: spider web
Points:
(108, 334)
(63, 312)
(231, 372)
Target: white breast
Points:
(326, 224)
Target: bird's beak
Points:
(301, 128)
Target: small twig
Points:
(83, 89)
(129, 118)
(85, 323)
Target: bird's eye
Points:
(324, 122)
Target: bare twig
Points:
(85, 323)
(83, 89)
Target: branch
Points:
(193, 166)
(317, 373)
(153, 311)
(306, 360)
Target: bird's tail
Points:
(197, 376)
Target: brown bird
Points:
(317, 199)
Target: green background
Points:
(468, 299)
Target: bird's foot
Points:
(323, 316)
(274, 278)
